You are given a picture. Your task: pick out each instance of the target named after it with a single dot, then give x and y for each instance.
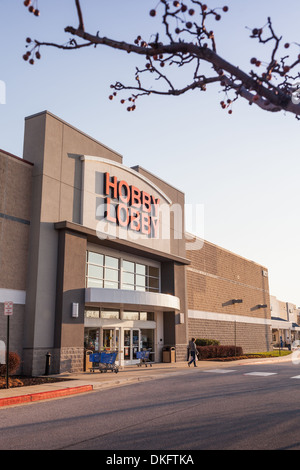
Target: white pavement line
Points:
(296, 377)
(262, 374)
(220, 371)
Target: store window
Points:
(102, 271)
(147, 339)
(144, 316)
(105, 271)
(103, 313)
(91, 339)
(136, 276)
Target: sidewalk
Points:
(85, 382)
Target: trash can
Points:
(87, 365)
(168, 354)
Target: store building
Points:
(95, 255)
(285, 318)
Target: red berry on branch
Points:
(152, 13)
(225, 9)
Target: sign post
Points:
(8, 311)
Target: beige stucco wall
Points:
(55, 148)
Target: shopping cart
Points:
(144, 357)
(104, 361)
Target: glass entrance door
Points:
(132, 338)
(110, 340)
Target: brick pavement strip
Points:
(32, 397)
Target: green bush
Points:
(14, 362)
(207, 342)
(216, 351)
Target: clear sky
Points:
(244, 168)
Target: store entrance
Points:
(110, 338)
(127, 341)
(132, 341)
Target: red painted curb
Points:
(44, 395)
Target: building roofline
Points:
(137, 167)
(191, 235)
(73, 127)
(15, 156)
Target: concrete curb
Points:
(38, 396)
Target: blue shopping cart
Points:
(104, 361)
(144, 357)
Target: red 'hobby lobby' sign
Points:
(129, 207)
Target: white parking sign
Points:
(8, 308)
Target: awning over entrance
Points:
(132, 299)
(281, 324)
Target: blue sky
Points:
(243, 168)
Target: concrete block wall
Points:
(216, 277)
(250, 337)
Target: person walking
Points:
(193, 352)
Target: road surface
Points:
(247, 407)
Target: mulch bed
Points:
(23, 381)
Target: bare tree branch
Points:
(80, 17)
(190, 42)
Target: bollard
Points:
(47, 367)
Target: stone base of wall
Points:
(34, 361)
(251, 337)
(71, 359)
(61, 360)
(181, 352)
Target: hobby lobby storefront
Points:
(95, 256)
(107, 261)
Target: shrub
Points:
(207, 342)
(14, 362)
(217, 351)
